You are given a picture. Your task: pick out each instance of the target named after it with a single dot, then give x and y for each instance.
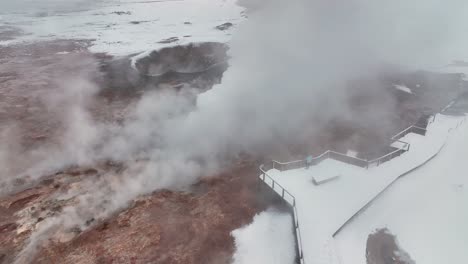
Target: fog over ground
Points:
(291, 63)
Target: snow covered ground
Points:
(122, 27)
(268, 239)
(323, 209)
(427, 210)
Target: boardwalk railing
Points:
(459, 123)
(401, 147)
(291, 200)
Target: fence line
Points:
(264, 176)
(364, 163)
(459, 123)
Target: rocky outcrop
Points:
(198, 65)
(383, 248)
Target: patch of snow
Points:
(131, 26)
(403, 88)
(424, 210)
(269, 239)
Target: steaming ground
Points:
(92, 148)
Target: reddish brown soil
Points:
(28, 73)
(169, 227)
(164, 227)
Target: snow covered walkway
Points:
(427, 210)
(324, 209)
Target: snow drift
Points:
(268, 239)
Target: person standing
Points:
(308, 161)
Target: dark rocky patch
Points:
(120, 13)
(200, 65)
(224, 26)
(383, 248)
(8, 227)
(22, 202)
(169, 40)
(138, 22)
(191, 58)
(9, 33)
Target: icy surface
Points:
(268, 240)
(126, 26)
(323, 209)
(426, 210)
